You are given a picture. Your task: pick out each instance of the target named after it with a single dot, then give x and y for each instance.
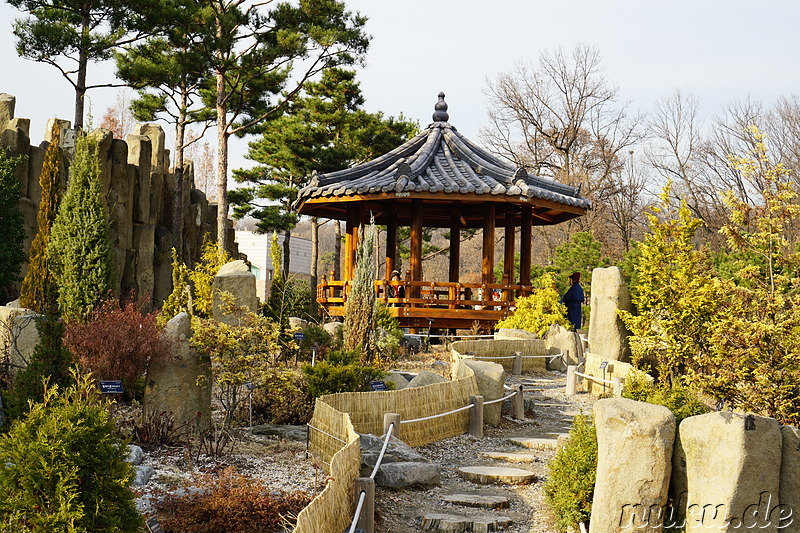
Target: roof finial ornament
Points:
(440, 115)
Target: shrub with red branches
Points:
(228, 502)
(117, 342)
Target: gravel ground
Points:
(283, 465)
(400, 511)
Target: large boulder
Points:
(180, 384)
(396, 378)
(490, 378)
(236, 279)
(607, 334)
(634, 462)
(512, 334)
(568, 343)
(19, 334)
(401, 466)
(425, 377)
(333, 328)
(732, 463)
(790, 477)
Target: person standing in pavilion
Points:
(573, 299)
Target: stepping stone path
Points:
(478, 500)
(487, 475)
(460, 524)
(512, 457)
(536, 443)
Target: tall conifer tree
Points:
(39, 290)
(12, 232)
(80, 247)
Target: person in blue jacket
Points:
(573, 299)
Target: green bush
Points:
(62, 468)
(681, 401)
(571, 474)
(341, 372)
(282, 397)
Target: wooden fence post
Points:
(366, 521)
(519, 404)
(517, 370)
(392, 418)
(572, 379)
(476, 417)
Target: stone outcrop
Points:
(425, 377)
(490, 378)
(634, 464)
(607, 334)
(235, 279)
(19, 334)
(140, 191)
(512, 334)
(180, 384)
(568, 343)
(730, 463)
(401, 466)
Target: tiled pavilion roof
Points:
(440, 160)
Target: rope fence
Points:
(364, 516)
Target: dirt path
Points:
(400, 511)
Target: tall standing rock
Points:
(568, 343)
(634, 463)
(180, 384)
(730, 467)
(608, 336)
(236, 279)
(490, 378)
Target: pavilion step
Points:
(487, 475)
(478, 500)
(463, 524)
(536, 443)
(512, 457)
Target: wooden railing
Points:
(430, 299)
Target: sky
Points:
(716, 50)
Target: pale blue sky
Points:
(717, 50)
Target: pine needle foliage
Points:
(79, 251)
(12, 231)
(39, 291)
(360, 308)
(63, 469)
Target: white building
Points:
(256, 247)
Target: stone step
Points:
(512, 457)
(463, 524)
(535, 443)
(478, 500)
(486, 475)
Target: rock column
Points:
(634, 463)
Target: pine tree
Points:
(39, 291)
(12, 232)
(80, 248)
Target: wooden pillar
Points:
(455, 247)
(525, 245)
(391, 243)
(351, 240)
(487, 268)
(508, 251)
(415, 261)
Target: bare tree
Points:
(562, 118)
(118, 118)
(627, 202)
